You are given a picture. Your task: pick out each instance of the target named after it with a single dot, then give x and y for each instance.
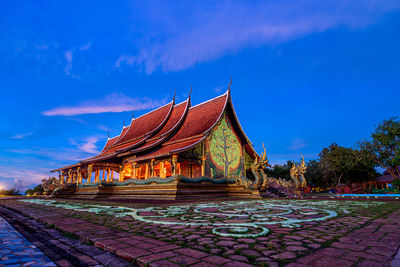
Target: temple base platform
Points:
(176, 190)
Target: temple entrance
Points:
(142, 172)
(190, 169)
(163, 169)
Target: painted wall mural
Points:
(225, 150)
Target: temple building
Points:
(204, 140)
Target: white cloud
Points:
(283, 158)
(85, 47)
(68, 58)
(111, 103)
(65, 155)
(21, 135)
(103, 127)
(296, 144)
(90, 145)
(22, 178)
(130, 60)
(207, 32)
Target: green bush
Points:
(396, 183)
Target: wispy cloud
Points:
(116, 102)
(296, 144)
(130, 60)
(64, 155)
(89, 145)
(283, 158)
(22, 178)
(85, 47)
(103, 127)
(21, 135)
(209, 31)
(68, 58)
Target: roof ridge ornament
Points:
(189, 97)
(229, 86)
(173, 100)
(132, 115)
(108, 135)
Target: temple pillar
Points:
(112, 175)
(79, 180)
(69, 176)
(162, 170)
(60, 174)
(96, 176)
(89, 173)
(203, 166)
(103, 170)
(146, 175)
(152, 168)
(133, 172)
(121, 174)
(174, 164)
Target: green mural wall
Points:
(224, 151)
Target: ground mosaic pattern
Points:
(257, 232)
(15, 250)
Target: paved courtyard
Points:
(15, 250)
(230, 233)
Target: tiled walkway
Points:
(15, 250)
(362, 234)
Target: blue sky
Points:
(305, 73)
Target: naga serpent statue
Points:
(297, 174)
(257, 169)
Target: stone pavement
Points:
(360, 235)
(15, 250)
(373, 245)
(63, 251)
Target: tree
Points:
(315, 176)
(37, 190)
(49, 185)
(280, 171)
(346, 164)
(10, 192)
(385, 146)
(396, 183)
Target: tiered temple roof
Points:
(168, 130)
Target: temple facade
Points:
(204, 140)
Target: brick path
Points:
(133, 248)
(15, 250)
(373, 245)
(61, 250)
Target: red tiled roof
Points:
(170, 149)
(167, 130)
(147, 123)
(189, 123)
(113, 150)
(201, 118)
(110, 142)
(177, 115)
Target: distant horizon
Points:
(306, 74)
